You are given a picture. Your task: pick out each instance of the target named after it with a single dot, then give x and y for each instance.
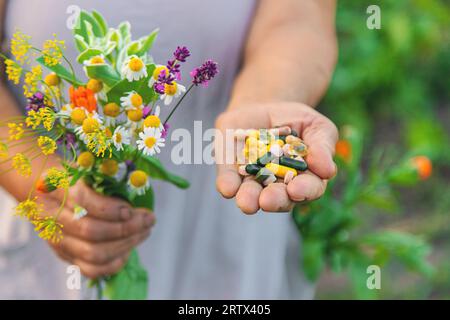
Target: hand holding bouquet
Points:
(107, 131)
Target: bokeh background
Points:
(392, 85)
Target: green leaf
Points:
(87, 54)
(153, 167)
(144, 201)
(103, 72)
(125, 32)
(313, 258)
(87, 19)
(130, 283)
(80, 43)
(141, 87)
(100, 21)
(146, 43)
(61, 72)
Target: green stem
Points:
(178, 103)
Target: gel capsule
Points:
(265, 159)
(263, 174)
(252, 169)
(279, 170)
(293, 163)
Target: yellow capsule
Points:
(279, 170)
(280, 142)
(251, 141)
(294, 141)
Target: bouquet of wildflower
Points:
(107, 130)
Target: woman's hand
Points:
(319, 134)
(100, 242)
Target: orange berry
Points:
(344, 150)
(423, 165)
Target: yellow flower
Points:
(20, 46)
(86, 160)
(48, 229)
(98, 143)
(58, 178)
(3, 150)
(13, 70)
(44, 116)
(22, 164)
(16, 131)
(47, 145)
(53, 51)
(29, 209)
(32, 79)
(52, 79)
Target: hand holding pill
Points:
(284, 154)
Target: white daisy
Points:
(65, 113)
(79, 212)
(138, 182)
(134, 69)
(132, 100)
(172, 91)
(89, 125)
(156, 74)
(120, 137)
(153, 120)
(150, 141)
(113, 169)
(95, 60)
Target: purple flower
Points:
(181, 54)
(130, 165)
(68, 140)
(203, 74)
(146, 111)
(159, 87)
(174, 69)
(165, 131)
(35, 102)
(163, 79)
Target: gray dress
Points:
(202, 245)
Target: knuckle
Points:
(86, 230)
(90, 254)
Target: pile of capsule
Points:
(272, 155)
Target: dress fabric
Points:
(202, 246)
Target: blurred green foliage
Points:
(391, 88)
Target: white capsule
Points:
(288, 177)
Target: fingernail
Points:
(149, 220)
(125, 213)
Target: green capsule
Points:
(292, 163)
(294, 133)
(265, 159)
(263, 174)
(252, 168)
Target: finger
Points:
(99, 206)
(92, 271)
(305, 187)
(95, 230)
(247, 198)
(274, 198)
(321, 137)
(99, 253)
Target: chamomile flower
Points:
(150, 141)
(134, 117)
(153, 120)
(172, 91)
(132, 100)
(90, 124)
(111, 111)
(64, 113)
(79, 212)
(134, 69)
(95, 60)
(113, 169)
(120, 137)
(138, 182)
(156, 74)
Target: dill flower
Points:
(22, 164)
(98, 142)
(53, 51)
(29, 209)
(47, 145)
(15, 131)
(58, 178)
(48, 229)
(32, 79)
(3, 150)
(13, 70)
(44, 116)
(20, 46)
